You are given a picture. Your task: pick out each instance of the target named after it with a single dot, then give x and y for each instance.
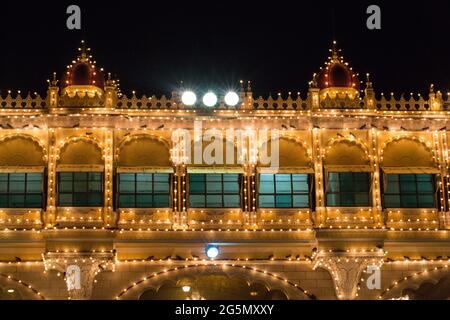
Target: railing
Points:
(298, 103)
(19, 102)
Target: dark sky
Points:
(152, 45)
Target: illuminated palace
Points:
(98, 202)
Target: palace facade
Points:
(98, 202)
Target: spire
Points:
(334, 52)
(84, 51)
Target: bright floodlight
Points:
(188, 98)
(210, 99)
(212, 251)
(231, 99)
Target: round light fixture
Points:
(10, 290)
(186, 289)
(231, 98)
(209, 99)
(188, 98)
(212, 251)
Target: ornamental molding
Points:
(345, 268)
(79, 269)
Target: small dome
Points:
(337, 73)
(82, 74)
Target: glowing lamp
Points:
(210, 99)
(212, 251)
(231, 99)
(188, 98)
(186, 289)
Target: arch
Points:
(254, 275)
(21, 150)
(143, 150)
(226, 145)
(19, 283)
(80, 151)
(414, 281)
(344, 152)
(292, 153)
(407, 152)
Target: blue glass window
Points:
(214, 190)
(21, 190)
(409, 191)
(80, 189)
(144, 190)
(283, 190)
(348, 189)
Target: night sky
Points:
(153, 45)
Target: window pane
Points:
(231, 187)
(425, 186)
(3, 182)
(300, 186)
(17, 201)
(409, 201)
(347, 199)
(214, 201)
(3, 201)
(197, 201)
(17, 182)
(34, 182)
(144, 183)
(196, 186)
(333, 199)
(408, 186)
(283, 201)
(230, 177)
(95, 199)
(266, 201)
(392, 201)
(197, 177)
(126, 182)
(65, 199)
(144, 201)
(126, 201)
(266, 187)
(231, 201)
(161, 201)
(80, 186)
(80, 199)
(33, 201)
(161, 183)
(362, 199)
(214, 187)
(283, 183)
(300, 201)
(333, 186)
(426, 201)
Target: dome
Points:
(337, 76)
(82, 76)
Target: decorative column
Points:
(346, 268)
(50, 213)
(52, 93)
(376, 187)
(110, 93)
(80, 270)
(320, 217)
(108, 214)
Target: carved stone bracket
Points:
(79, 269)
(346, 268)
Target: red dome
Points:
(83, 73)
(336, 73)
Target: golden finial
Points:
(334, 52)
(54, 81)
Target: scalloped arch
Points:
(292, 152)
(346, 151)
(143, 150)
(407, 152)
(80, 151)
(21, 150)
